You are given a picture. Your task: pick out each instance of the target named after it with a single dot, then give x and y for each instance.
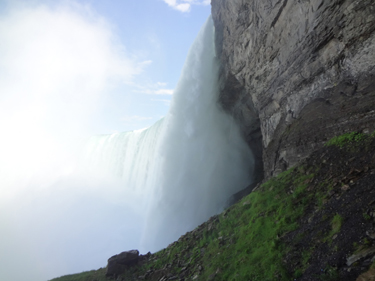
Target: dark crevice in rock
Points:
(322, 44)
(320, 5)
(279, 13)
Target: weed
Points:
(336, 224)
(366, 216)
(366, 242)
(358, 247)
(298, 273)
(330, 274)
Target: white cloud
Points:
(146, 62)
(154, 89)
(164, 92)
(185, 5)
(156, 92)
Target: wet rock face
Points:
(295, 73)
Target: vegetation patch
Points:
(346, 139)
(329, 274)
(97, 275)
(258, 223)
(336, 224)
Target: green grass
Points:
(346, 139)
(257, 228)
(97, 275)
(336, 224)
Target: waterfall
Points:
(127, 155)
(187, 164)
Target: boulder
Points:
(118, 263)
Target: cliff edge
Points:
(295, 73)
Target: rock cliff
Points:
(296, 73)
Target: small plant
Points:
(366, 242)
(358, 247)
(336, 224)
(366, 216)
(298, 273)
(330, 274)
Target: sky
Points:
(139, 47)
(70, 70)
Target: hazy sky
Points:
(68, 70)
(124, 56)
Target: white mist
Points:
(186, 166)
(201, 158)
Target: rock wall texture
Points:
(295, 73)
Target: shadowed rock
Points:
(118, 263)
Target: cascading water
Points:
(128, 155)
(202, 158)
(187, 164)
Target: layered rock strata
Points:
(296, 73)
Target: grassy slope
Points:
(285, 230)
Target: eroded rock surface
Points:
(296, 73)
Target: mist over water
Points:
(67, 206)
(188, 164)
(202, 159)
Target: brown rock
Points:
(367, 276)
